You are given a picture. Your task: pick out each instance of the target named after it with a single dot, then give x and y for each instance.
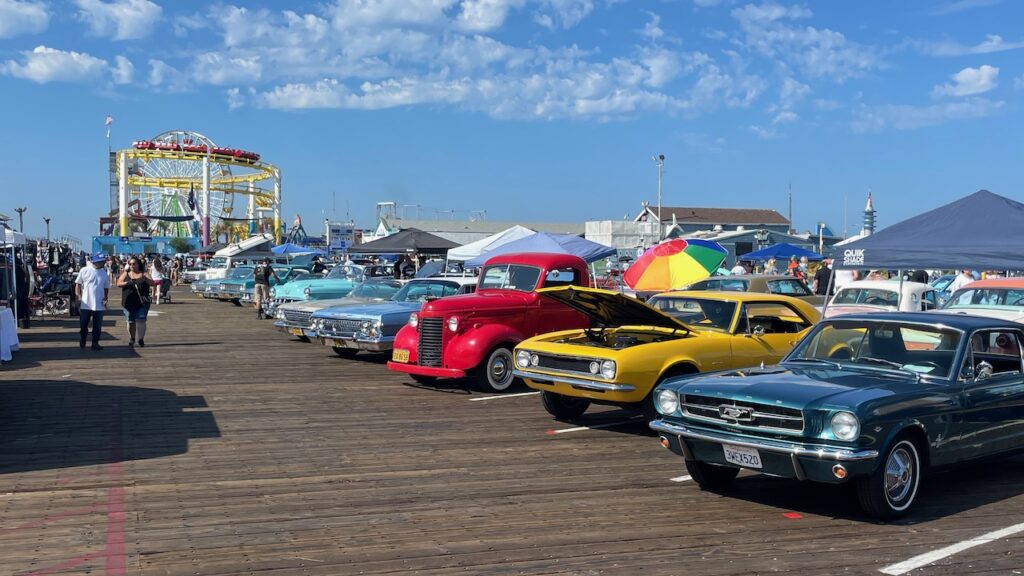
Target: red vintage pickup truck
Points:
(474, 334)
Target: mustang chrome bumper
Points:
(575, 382)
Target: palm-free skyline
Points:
(528, 110)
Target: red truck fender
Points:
(471, 346)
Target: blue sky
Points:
(528, 109)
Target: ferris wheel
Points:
(160, 193)
(180, 181)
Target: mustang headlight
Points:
(666, 401)
(306, 292)
(453, 323)
(845, 426)
(414, 320)
(608, 369)
(595, 367)
(522, 358)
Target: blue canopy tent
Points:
(288, 248)
(548, 243)
(780, 251)
(983, 231)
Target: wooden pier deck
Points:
(224, 447)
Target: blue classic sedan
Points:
(372, 327)
(874, 399)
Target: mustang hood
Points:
(611, 309)
(800, 387)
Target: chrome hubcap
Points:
(899, 475)
(498, 369)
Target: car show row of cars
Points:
(877, 387)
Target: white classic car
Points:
(1001, 298)
(865, 296)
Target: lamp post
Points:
(659, 161)
(47, 220)
(21, 218)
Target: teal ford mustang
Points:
(876, 400)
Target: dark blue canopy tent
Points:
(983, 231)
(780, 251)
(549, 243)
(288, 248)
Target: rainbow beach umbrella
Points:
(674, 264)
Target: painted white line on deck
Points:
(499, 396)
(582, 428)
(680, 479)
(936, 555)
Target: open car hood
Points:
(611, 309)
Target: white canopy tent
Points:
(474, 249)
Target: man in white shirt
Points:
(738, 268)
(91, 288)
(962, 279)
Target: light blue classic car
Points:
(336, 284)
(372, 327)
(294, 317)
(212, 288)
(242, 290)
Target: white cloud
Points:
(763, 133)
(785, 117)
(163, 75)
(44, 65)
(218, 69)
(706, 3)
(119, 19)
(956, 6)
(235, 99)
(969, 82)
(792, 92)
(19, 17)
(123, 70)
(652, 29)
(906, 117)
(484, 15)
(562, 13)
(1018, 83)
(768, 30)
(991, 43)
(348, 14)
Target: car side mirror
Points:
(983, 371)
(757, 331)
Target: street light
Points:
(659, 161)
(47, 220)
(21, 218)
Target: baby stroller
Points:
(165, 290)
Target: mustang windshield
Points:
(510, 277)
(868, 297)
(699, 312)
(384, 289)
(345, 272)
(423, 291)
(920, 349)
(986, 297)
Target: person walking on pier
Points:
(91, 288)
(135, 299)
(261, 291)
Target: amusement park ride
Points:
(180, 183)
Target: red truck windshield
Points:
(510, 277)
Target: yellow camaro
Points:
(632, 346)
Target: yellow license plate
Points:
(399, 355)
(297, 332)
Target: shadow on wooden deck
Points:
(47, 424)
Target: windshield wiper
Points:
(833, 363)
(873, 360)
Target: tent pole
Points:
(828, 290)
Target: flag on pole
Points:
(107, 123)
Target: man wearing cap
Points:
(91, 288)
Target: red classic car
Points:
(474, 334)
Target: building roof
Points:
(484, 226)
(699, 215)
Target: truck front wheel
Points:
(495, 375)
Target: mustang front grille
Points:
(430, 342)
(297, 317)
(743, 413)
